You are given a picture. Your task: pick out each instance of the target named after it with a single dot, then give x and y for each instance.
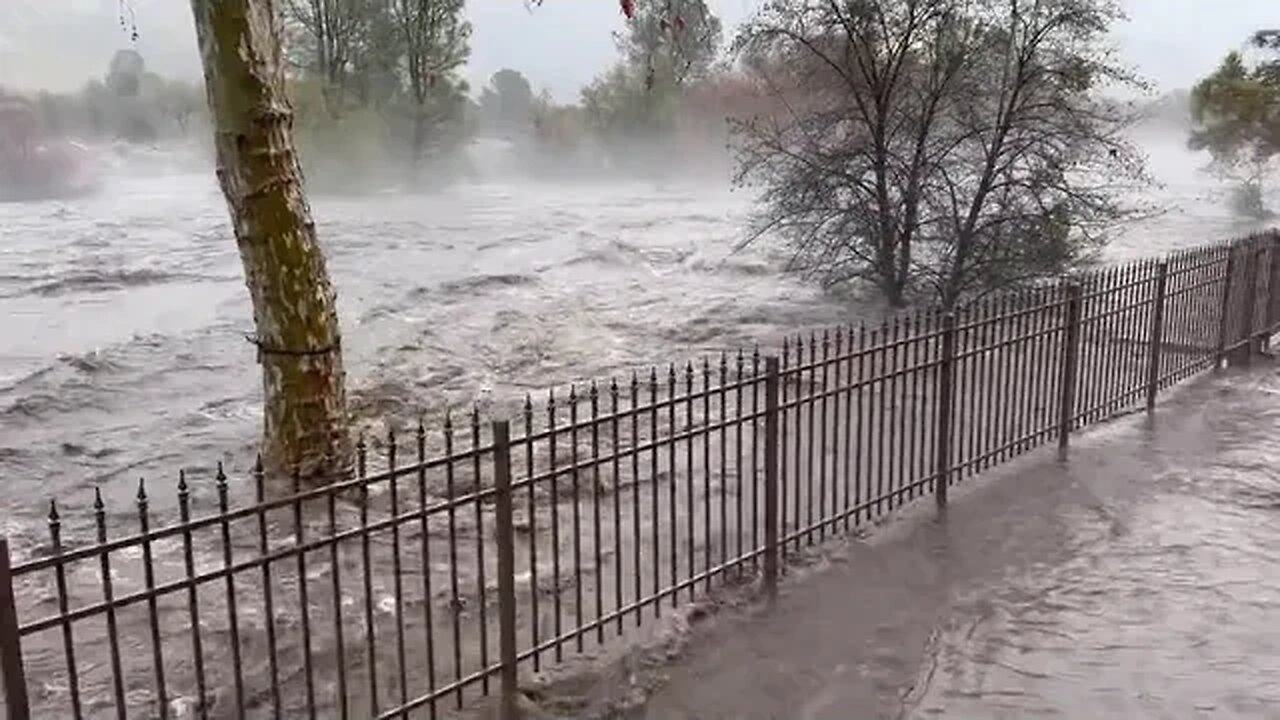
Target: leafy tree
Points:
(671, 41)
(506, 104)
(294, 303)
(124, 75)
(326, 41)
(435, 36)
(947, 146)
(634, 106)
(1236, 113)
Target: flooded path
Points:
(1140, 580)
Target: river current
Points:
(124, 314)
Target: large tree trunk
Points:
(294, 304)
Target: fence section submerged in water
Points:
(473, 553)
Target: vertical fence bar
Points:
(782, 434)
(506, 569)
(339, 635)
(68, 639)
(798, 400)
(304, 597)
(108, 596)
(673, 500)
(655, 525)
(428, 597)
(706, 471)
(482, 607)
(193, 592)
(15, 678)
(233, 621)
(1157, 337)
(268, 602)
(397, 577)
(755, 451)
(946, 396)
(615, 437)
(1225, 317)
(557, 614)
(771, 477)
(153, 610)
(595, 512)
(1068, 364)
(366, 565)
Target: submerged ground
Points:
(124, 318)
(1136, 581)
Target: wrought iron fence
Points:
(473, 554)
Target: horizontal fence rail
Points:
(467, 556)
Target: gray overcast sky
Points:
(560, 46)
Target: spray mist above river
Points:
(124, 314)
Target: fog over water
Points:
(125, 313)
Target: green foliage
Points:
(671, 41)
(1236, 115)
(129, 103)
(124, 75)
(377, 87)
(362, 147)
(506, 104)
(633, 109)
(337, 151)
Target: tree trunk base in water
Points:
(294, 303)
(305, 424)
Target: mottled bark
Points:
(294, 304)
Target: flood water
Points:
(124, 315)
(1164, 605)
(1137, 580)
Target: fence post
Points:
(1069, 362)
(946, 401)
(1244, 355)
(771, 441)
(15, 678)
(1224, 320)
(506, 569)
(1155, 349)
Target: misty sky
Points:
(561, 46)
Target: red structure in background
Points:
(33, 167)
(18, 124)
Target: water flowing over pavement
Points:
(1139, 580)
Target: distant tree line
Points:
(128, 102)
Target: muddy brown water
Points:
(125, 313)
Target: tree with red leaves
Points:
(672, 40)
(628, 7)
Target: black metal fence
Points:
(471, 555)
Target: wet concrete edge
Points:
(906, 571)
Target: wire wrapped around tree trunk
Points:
(263, 349)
